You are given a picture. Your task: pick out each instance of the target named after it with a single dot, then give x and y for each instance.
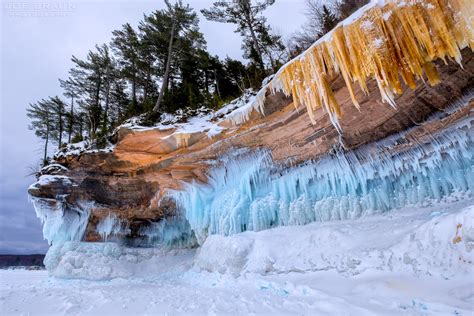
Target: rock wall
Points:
(131, 181)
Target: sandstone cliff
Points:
(184, 180)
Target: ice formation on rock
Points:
(173, 231)
(394, 42)
(61, 222)
(110, 226)
(247, 191)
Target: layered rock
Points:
(184, 181)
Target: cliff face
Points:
(183, 181)
(132, 179)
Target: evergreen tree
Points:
(58, 111)
(70, 91)
(41, 115)
(93, 77)
(126, 45)
(251, 24)
(118, 102)
(172, 35)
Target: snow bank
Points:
(103, 261)
(435, 241)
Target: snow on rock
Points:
(47, 179)
(74, 149)
(203, 120)
(103, 261)
(437, 241)
(53, 169)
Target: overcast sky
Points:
(37, 41)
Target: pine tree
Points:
(93, 77)
(126, 44)
(58, 115)
(173, 36)
(41, 115)
(246, 14)
(71, 91)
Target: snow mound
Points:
(104, 261)
(425, 242)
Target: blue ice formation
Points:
(172, 231)
(61, 222)
(111, 226)
(248, 191)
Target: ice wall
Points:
(248, 191)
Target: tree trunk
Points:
(248, 20)
(94, 117)
(217, 84)
(46, 143)
(71, 120)
(134, 92)
(206, 82)
(167, 70)
(60, 136)
(106, 110)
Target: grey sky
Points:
(37, 41)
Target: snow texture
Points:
(105, 260)
(307, 270)
(47, 179)
(411, 241)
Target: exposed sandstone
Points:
(132, 179)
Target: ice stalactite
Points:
(394, 42)
(111, 226)
(248, 191)
(61, 222)
(173, 231)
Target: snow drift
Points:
(422, 242)
(436, 241)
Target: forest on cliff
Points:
(164, 65)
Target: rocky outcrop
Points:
(269, 163)
(132, 180)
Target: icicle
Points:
(386, 41)
(110, 226)
(247, 191)
(61, 222)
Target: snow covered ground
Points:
(413, 261)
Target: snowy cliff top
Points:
(191, 121)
